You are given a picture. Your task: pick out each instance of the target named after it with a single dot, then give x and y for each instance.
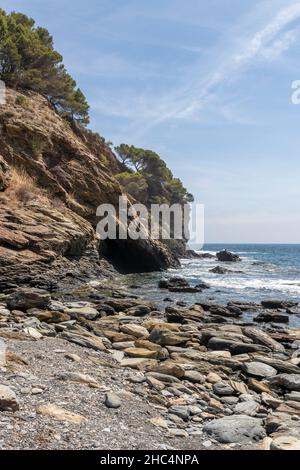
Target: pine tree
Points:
(28, 60)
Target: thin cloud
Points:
(268, 42)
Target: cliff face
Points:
(53, 176)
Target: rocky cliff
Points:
(53, 176)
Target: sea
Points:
(264, 272)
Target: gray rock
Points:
(88, 313)
(112, 400)
(222, 389)
(275, 317)
(227, 256)
(235, 347)
(236, 428)
(26, 298)
(230, 400)
(277, 304)
(8, 399)
(194, 376)
(249, 408)
(182, 411)
(258, 369)
(289, 381)
(294, 396)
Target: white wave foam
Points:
(282, 285)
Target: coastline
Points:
(203, 379)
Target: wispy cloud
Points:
(268, 42)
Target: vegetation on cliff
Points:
(28, 60)
(146, 171)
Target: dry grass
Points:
(23, 188)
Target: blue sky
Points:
(205, 84)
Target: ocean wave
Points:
(282, 285)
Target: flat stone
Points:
(234, 347)
(138, 362)
(8, 399)
(137, 331)
(167, 338)
(141, 352)
(73, 357)
(182, 411)
(213, 378)
(285, 442)
(178, 433)
(112, 400)
(170, 368)
(237, 428)
(248, 408)
(194, 376)
(222, 389)
(77, 377)
(275, 317)
(164, 378)
(51, 316)
(33, 333)
(139, 311)
(26, 298)
(121, 345)
(60, 414)
(89, 313)
(90, 341)
(288, 381)
(259, 369)
(294, 396)
(278, 304)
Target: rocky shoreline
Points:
(96, 367)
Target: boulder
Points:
(227, 256)
(285, 442)
(137, 331)
(173, 282)
(233, 346)
(279, 304)
(222, 389)
(167, 338)
(288, 381)
(240, 429)
(139, 311)
(8, 399)
(219, 270)
(259, 369)
(249, 408)
(261, 337)
(275, 317)
(194, 376)
(26, 298)
(182, 411)
(87, 313)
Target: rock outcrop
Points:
(53, 176)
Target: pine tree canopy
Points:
(28, 60)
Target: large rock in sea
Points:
(227, 256)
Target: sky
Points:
(208, 86)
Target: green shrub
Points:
(21, 100)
